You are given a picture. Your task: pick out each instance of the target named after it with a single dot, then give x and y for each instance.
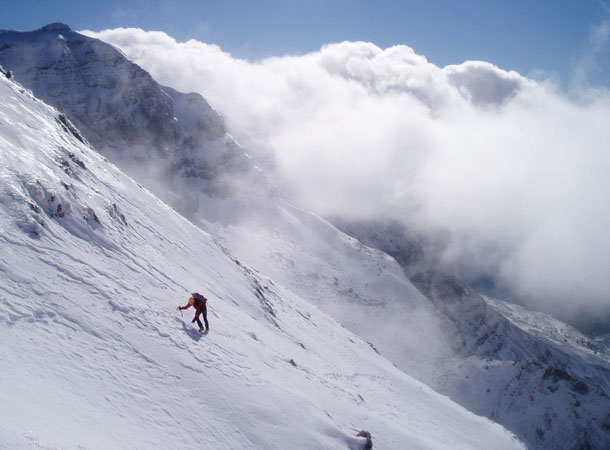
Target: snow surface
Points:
(95, 355)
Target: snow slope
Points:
(95, 355)
(535, 375)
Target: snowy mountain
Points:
(535, 375)
(540, 378)
(154, 132)
(95, 354)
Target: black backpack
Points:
(199, 298)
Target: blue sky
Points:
(524, 35)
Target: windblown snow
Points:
(95, 355)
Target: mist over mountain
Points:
(401, 289)
(506, 172)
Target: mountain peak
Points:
(126, 115)
(57, 26)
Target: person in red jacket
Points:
(199, 302)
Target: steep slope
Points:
(94, 354)
(537, 376)
(364, 289)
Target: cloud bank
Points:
(514, 172)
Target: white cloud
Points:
(516, 173)
(483, 83)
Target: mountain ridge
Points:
(518, 345)
(153, 132)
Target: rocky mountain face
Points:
(540, 378)
(152, 131)
(535, 375)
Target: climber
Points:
(199, 302)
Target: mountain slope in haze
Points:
(154, 132)
(95, 355)
(535, 375)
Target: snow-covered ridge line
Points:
(546, 327)
(505, 358)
